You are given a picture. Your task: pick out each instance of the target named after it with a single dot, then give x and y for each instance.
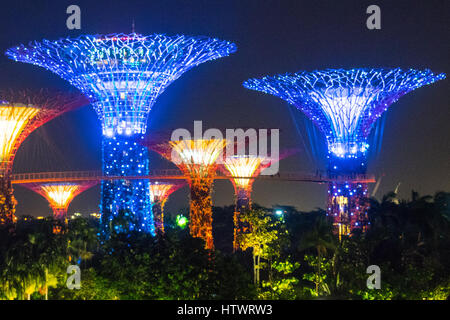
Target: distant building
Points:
(95, 215)
(76, 215)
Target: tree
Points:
(139, 266)
(283, 284)
(32, 260)
(263, 233)
(82, 240)
(94, 287)
(321, 238)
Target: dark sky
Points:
(272, 37)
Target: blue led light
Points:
(344, 104)
(130, 195)
(122, 74)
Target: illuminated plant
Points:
(21, 112)
(197, 160)
(123, 75)
(159, 193)
(181, 221)
(344, 104)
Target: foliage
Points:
(32, 258)
(283, 284)
(298, 257)
(318, 278)
(264, 238)
(174, 267)
(93, 287)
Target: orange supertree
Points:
(197, 160)
(21, 112)
(159, 193)
(60, 194)
(240, 167)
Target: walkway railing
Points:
(168, 174)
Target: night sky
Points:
(272, 37)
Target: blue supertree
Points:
(123, 75)
(344, 104)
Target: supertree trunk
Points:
(60, 215)
(201, 211)
(348, 206)
(158, 215)
(122, 156)
(243, 204)
(7, 202)
(347, 200)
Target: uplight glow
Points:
(243, 166)
(13, 120)
(59, 195)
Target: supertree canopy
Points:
(240, 166)
(123, 75)
(60, 194)
(21, 112)
(159, 193)
(344, 104)
(197, 160)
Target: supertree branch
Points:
(344, 104)
(60, 195)
(159, 193)
(197, 160)
(243, 166)
(21, 112)
(122, 74)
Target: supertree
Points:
(344, 104)
(197, 160)
(159, 193)
(21, 112)
(60, 194)
(239, 167)
(123, 75)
